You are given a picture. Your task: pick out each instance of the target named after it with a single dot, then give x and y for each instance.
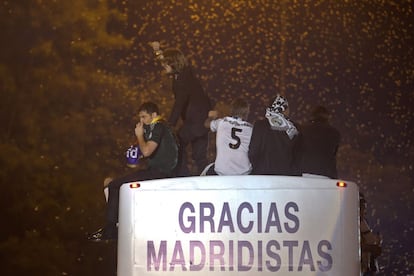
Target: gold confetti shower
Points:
(354, 57)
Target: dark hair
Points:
(149, 107)
(320, 114)
(240, 108)
(175, 58)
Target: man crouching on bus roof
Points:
(157, 143)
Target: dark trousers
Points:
(112, 208)
(211, 171)
(199, 146)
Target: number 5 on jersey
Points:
(234, 131)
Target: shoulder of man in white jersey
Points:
(237, 121)
(214, 124)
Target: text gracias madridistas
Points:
(238, 255)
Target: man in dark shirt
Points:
(157, 143)
(271, 149)
(319, 142)
(191, 105)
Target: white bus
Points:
(239, 225)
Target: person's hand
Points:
(157, 51)
(168, 69)
(155, 45)
(139, 129)
(213, 114)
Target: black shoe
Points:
(101, 236)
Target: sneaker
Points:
(101, 236)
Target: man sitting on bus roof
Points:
(273, 141)
(157, 143)
(232, 140)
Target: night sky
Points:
(354, 57)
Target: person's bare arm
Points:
(212, 115)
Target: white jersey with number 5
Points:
(232, 146)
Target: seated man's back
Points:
(232, 140)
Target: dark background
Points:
(72, 74)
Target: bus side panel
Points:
(125, 264)
(250, 225)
